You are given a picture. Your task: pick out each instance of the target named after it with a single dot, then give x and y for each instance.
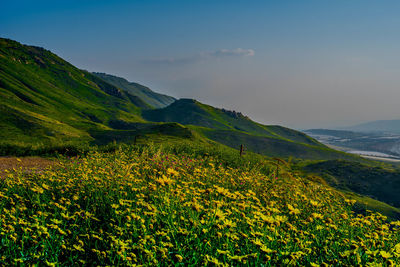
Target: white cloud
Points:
(221, 53)
(233, 52)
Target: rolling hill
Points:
(379, 183)
(232, 128)
(46, 100)
(151, 98)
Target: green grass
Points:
(192, 112)
(44, 97)
(234, 129)
(365, 203)
(149, 98)
(173, 204)
(375, 185)
(274, 146)
(46, 101)
(49, 107)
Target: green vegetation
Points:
(189, 111)
(49, 107)
(145, 205)
(233, 129)
(274, 147)
(150, 98)
(46, 102)
(382, 183)
(364, 203)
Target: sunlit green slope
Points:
(44, 99)
(234, 129)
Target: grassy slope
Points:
(364, 203)
(47, 100)
(382, 183)
(148, 206)
(274, 147)
(233, 129)
(230, 157)
(151, 98)
(44, 99)
(44, 92)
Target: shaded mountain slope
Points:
(273, 146)
(151, 98)
(45, 99)
(189, 111)
(234, 129)
(378, 182)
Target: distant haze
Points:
(301, 64)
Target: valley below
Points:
(373, 145)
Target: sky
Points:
(300, 64)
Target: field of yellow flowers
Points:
(146, 207)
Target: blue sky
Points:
(296, 63)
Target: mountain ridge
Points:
(45, 99)
(153, 99)
(389, 126)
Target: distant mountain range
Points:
(388, 126)
(46, 100)
(363, 143)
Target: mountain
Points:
(153, 99)
(47, 102)
(44, 99)
(190, 111)
(233, 129)
(389, 126)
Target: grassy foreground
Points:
(147, 205)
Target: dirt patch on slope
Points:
(26, 164)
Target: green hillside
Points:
(46, 102)
(148, 96)
(189, 111)
(44, 99)
(234, 129)
(382, 183)
(274, 146)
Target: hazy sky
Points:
(296, 63)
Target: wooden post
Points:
(277, 168)
(241, 150)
